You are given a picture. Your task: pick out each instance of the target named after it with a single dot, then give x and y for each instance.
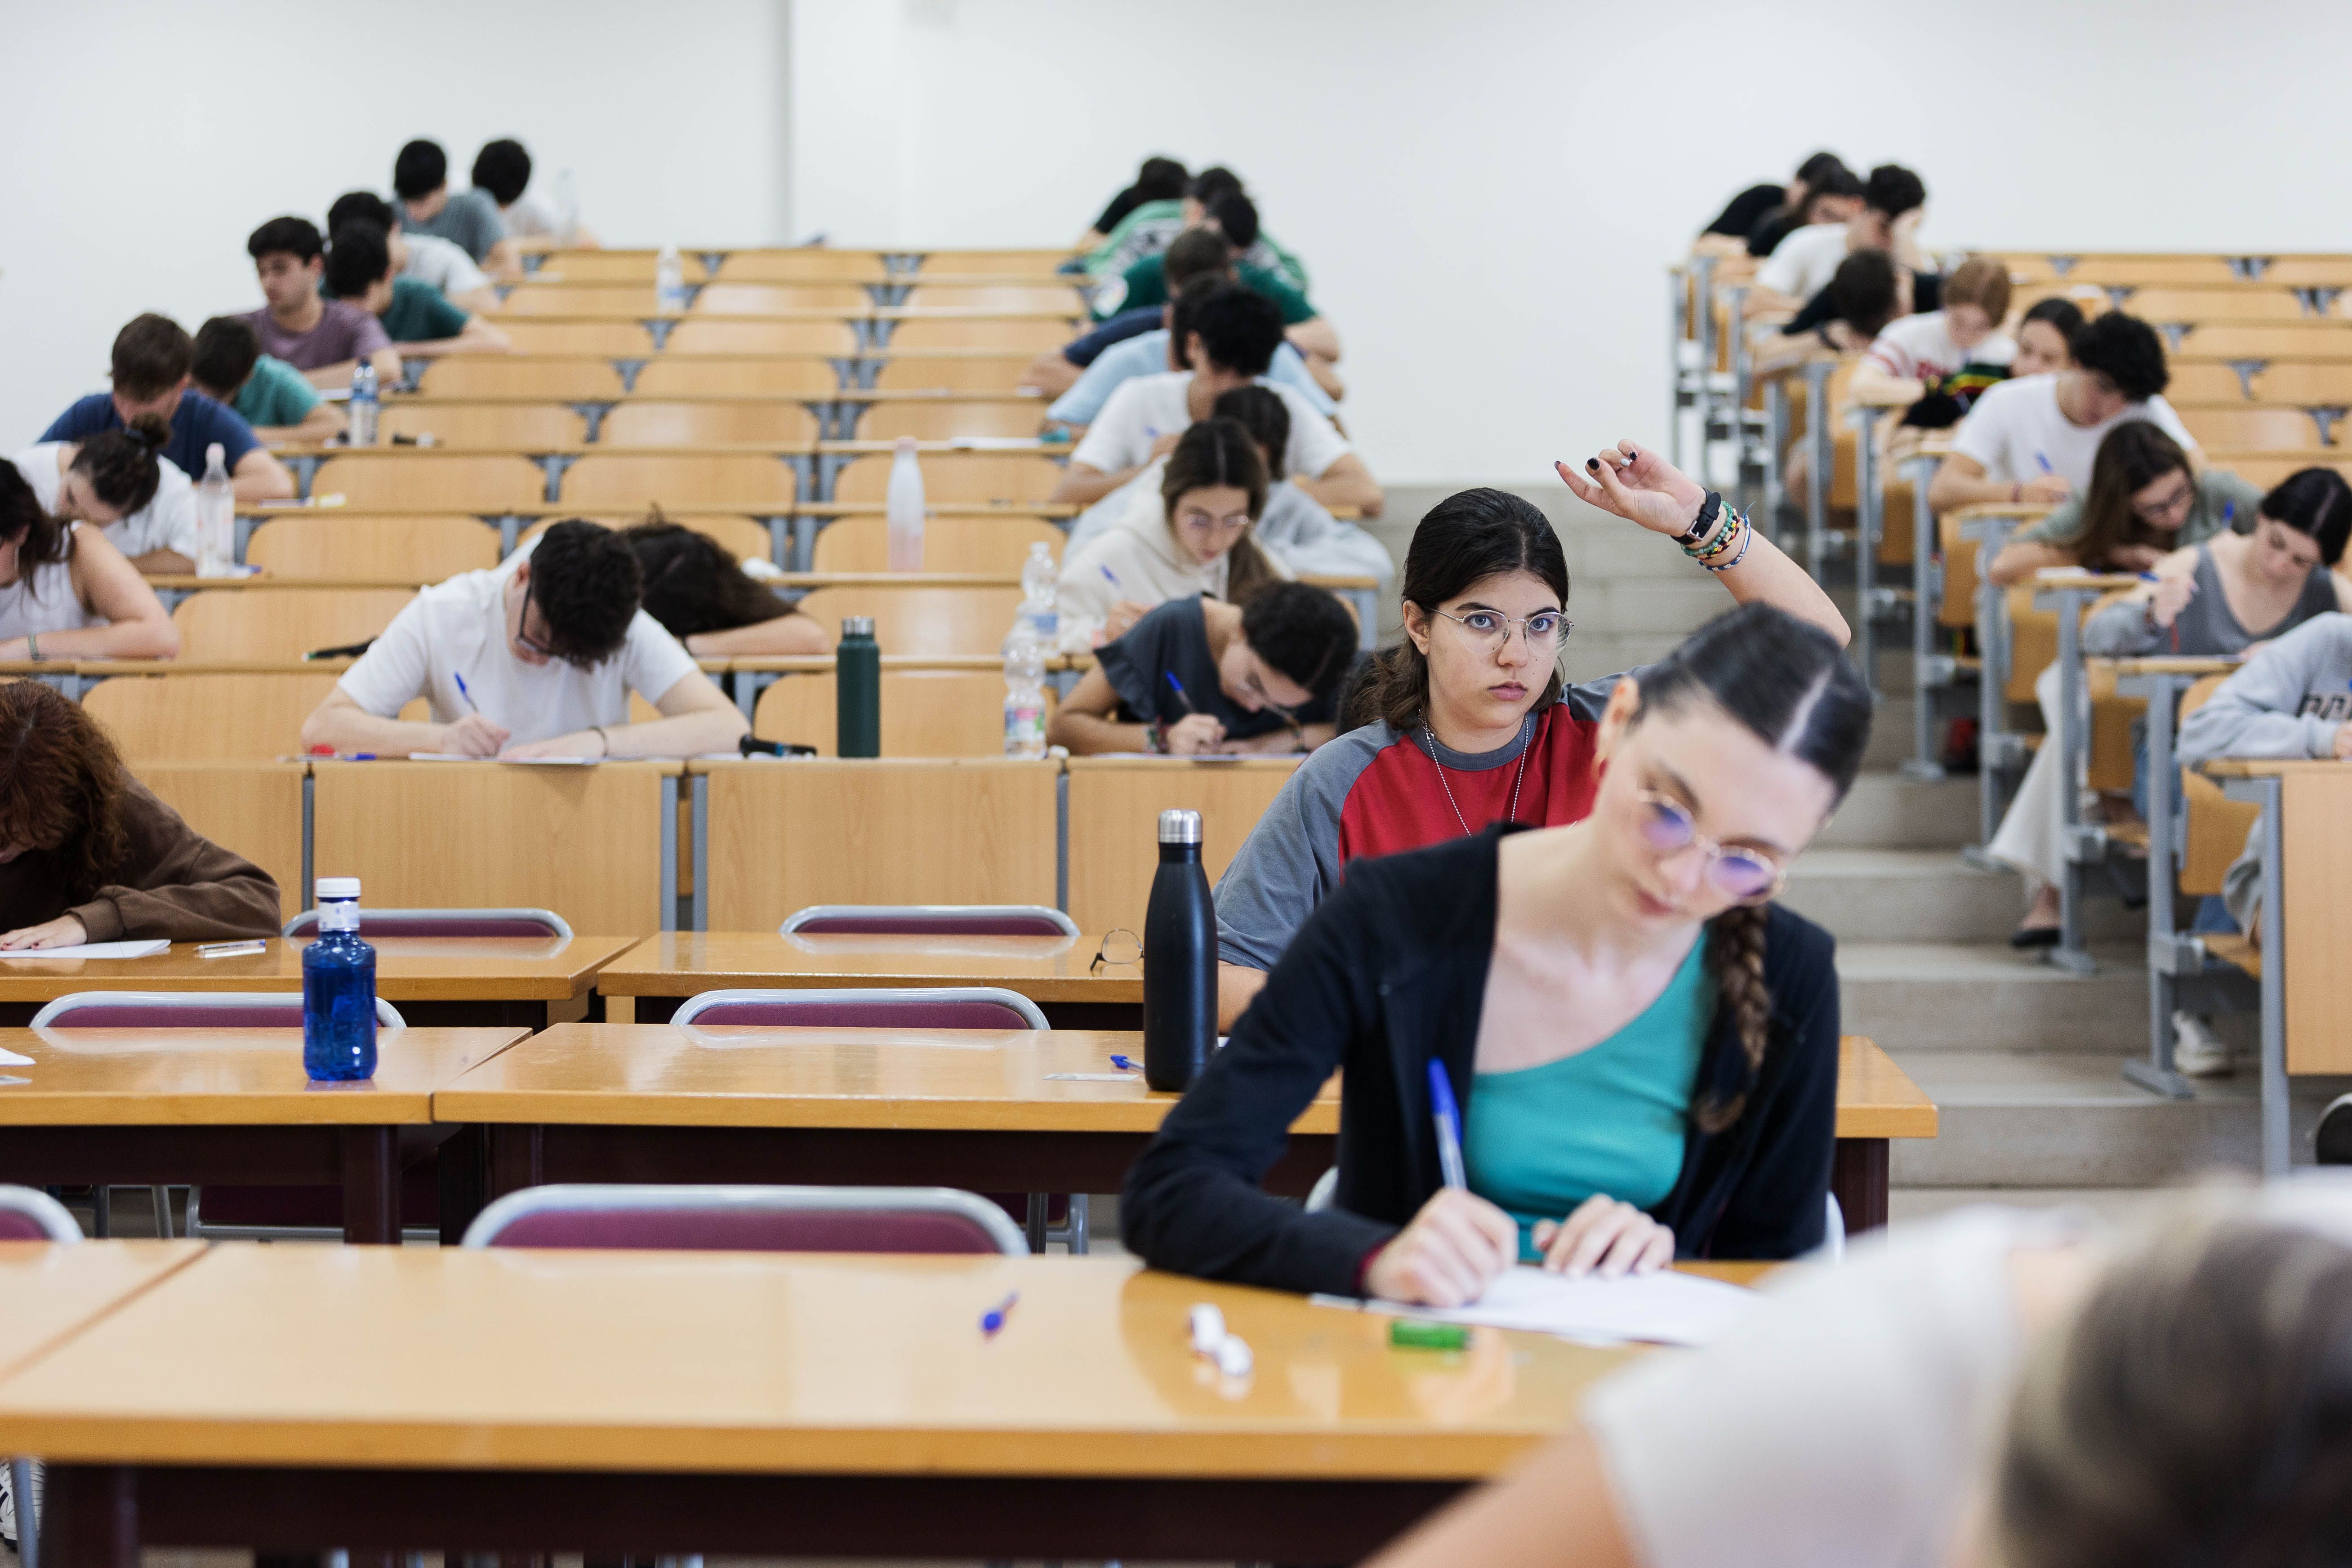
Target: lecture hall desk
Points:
(51, 1290)
(144, 1107)
(960, 1107)
(397, 1398)
(525, 982)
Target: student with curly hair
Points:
(88, 855)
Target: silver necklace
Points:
(1431, 736)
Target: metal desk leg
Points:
(1776, 451)
(1931, 671)
(2080, 844)
(1997, 750)
(1737, 426)
(1702, 301)
(1867, 504)
(2276, 1153)
(2169, 953)
(1677, 327)
(1824, 465)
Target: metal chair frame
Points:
(581, 1197)
(307, 921)
(1031, 1017)
(1045, 913)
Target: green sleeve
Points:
(1290, 263)
(275, 395)
(1146, 283)
(1144, 211)
(1277, 287)
(2060, 529)
(443, 319)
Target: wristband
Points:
(1708, 511)
(1155, 736)
(33, 647)
(606, 739)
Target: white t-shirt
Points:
(1145, 407)
(2016, 427)
(1920, 348)
(168, 520)
(532, 217)
(459, 627)
(43, 599)
(442, 263)
(1804, 262)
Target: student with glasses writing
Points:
(1468, 721)
(1643, 1047)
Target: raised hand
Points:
(1638, 485)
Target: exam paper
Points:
(1665, 1307)
(147, 949)
(9, 1059)
(511, 762)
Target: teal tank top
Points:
(1610, 1119)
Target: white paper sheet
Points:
(147, 949)
(1665, 1307)
(9, 1059)
(511, 762)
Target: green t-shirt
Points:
(1146, 284)
(420, 313)
(275, 395)
(2223, 501)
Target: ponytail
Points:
(121, 464)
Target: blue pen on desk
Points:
(2044, 458)
(462, 691)
(1449, 1125)
(992, 1323)
(1126, 1064)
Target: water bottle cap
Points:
(857, 626)
(215, 453)
(339, 887)
(1180, 827)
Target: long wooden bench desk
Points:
(50, 1291)
(144, 1107)
(401, 1398)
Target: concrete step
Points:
(1980, 996)
(1886, 811)
(1619, 606)
(1926, 896)
(1614, 653)
(2067, 1120)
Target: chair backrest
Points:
(1022, 263)
(930, 920)
(208, 718)
(965, 371)
(732, 298)
(283, 623)
(749, 1219)
(947, 419)
(520, 375)
(1015, 477)
(675, 375)
(524, 922)
(614, 267)
(760, 422)
(27, 1213)
(915, 1007)
(555, 335)
(487, 427)
(187, 1010)
(804, 262)
(336, 547)
(745, 538)
(1005, 333)
(750, 335)
(991, 546)
(641, 480)
(451, 481)
(925, 713)
(921, 619)
(569, 299)
(1010, 295)
(2216, 829)
(2260, 425)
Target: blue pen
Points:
(1178, 685)
(2229, 517)
(1111, 576)
(468, 696)
(1126, 1064)
(1449, 1125)
(2044, 458)
(992, 1321)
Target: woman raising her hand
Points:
(1643, 1047)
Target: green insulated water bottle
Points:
(857, 684)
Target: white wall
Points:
(1486, 191)
(145, 140)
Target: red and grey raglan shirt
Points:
(1374, 791)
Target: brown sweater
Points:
(173, 883)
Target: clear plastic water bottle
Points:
(215, 517)
(904, 509)
(669, 283)
(364, 405)
(567, 209)
(1025, 696)
(339, 989)
(1039, 617)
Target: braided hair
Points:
(1789, 683)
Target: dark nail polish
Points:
(1594, 464)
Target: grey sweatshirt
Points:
(2288, 701)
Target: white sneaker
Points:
(2197, 1051)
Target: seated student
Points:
(2033, 439)
(66, 593)
(1159, 179)
(323, 339)
(1196, 541)
(116, 481)
(87, 854)
(1832, 195)
(1989, 1388)
(702, 596)
(1231, 342)
(2146, 501)
(1643, 1049)
(420, 182)
(1467, 720)
(1295, 528)
(152, 359)
(1867, 295)
(2045, 338)
(2218, 592)
(1153, 226)
(1913, 357)
(1200, 677)
(1234, 218)
(502, 172)
(415, 316)
(426, 258)
(1143, 343)
(547, 645)
(1768, 212)
(1800, 265)
(267, 394)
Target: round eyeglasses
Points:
(1748, 875)
(1492, 628)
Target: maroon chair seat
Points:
(861, 1016)
(746, 1219)
(929, 920)
(29, 1214)
(443, 922)
(287, 1015)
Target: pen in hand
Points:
(1448, 1118)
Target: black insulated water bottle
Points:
(1179, 959)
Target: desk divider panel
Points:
(2317, 891)
(251, 808)
(1114, 834)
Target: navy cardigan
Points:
(1389, 972)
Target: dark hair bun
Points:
(151, 431)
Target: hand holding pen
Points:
(473, 735)
(1459, 1243)
(1196, 733)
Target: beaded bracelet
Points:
(1734, 527)
(1745, 534)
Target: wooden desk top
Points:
(146, 1077)
(741, 1362)
(50, 1290)
(408, 968)
(2171, 665)
(2271, 767)
(659, 1075)
(1876, 1099)
(2056, 577)
(1042, 968)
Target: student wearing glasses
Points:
(1468, 721)
(533, 658)
(1643, 1047)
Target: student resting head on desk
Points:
(1994, 1388)
(700, 593)
(533, 658)
(1645, 1049)
(1199, 676)
(1468, 721)
(66, 593)
(117, 482)
(88, 855)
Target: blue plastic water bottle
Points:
(339, 989)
